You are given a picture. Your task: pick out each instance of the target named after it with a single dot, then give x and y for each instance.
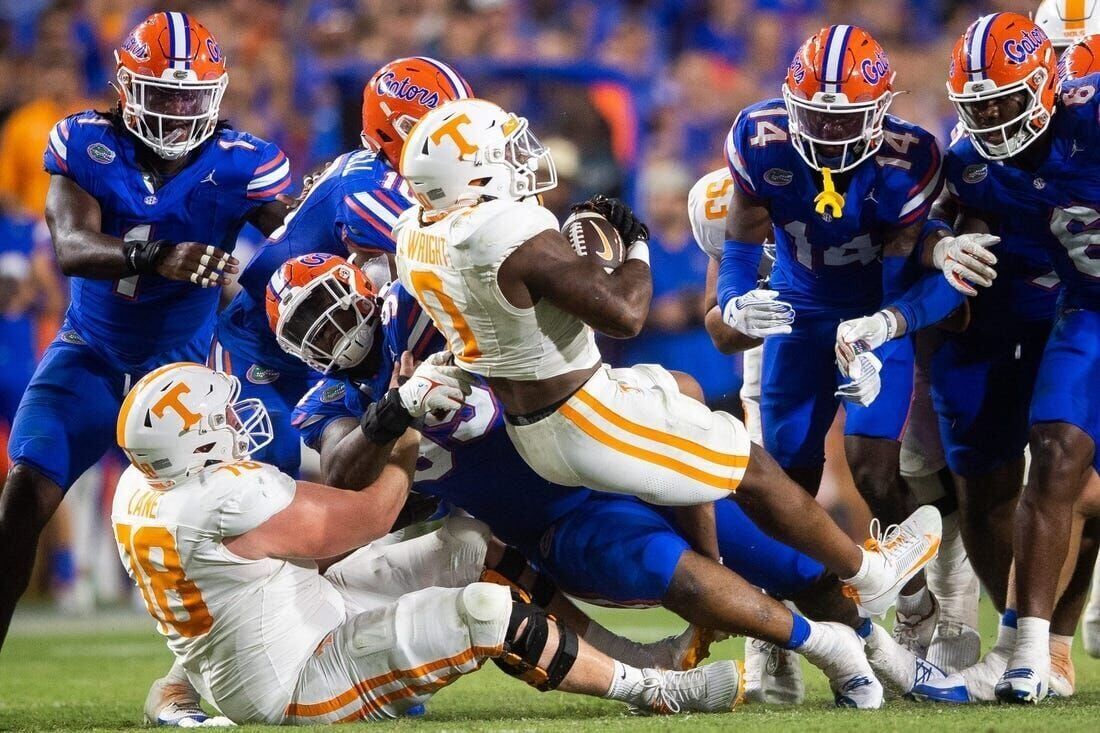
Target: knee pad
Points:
(525, 643)
(509, 571)
(486, 609)
(466, 538)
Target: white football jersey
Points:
(708, 205)
(450, 266)
(243, 629)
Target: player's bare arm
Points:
(727, 340)
(269, 217)
(323, 522)
(546, 266)
(83, 250)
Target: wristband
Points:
(638, 251)
(891, 323)
(385, 420)
(142, 257)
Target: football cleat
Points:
(1090, 624)
(776, 676)
(899, 669)
(839, 654)
(1021, 685)
(973, 684)
(714, 688)
(893, 557)
(177, 705)
(685, 651)
(914, 632)
(1063, 675)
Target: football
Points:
(593, 236)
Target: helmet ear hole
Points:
(205, 448)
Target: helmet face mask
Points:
(172, 118)
(327, 322)
(835, 134)
(999, 123)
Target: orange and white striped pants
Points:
(631, 431)
(381, 662)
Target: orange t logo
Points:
(171, 399)
(450, 129)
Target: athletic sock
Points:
(626, 685)
(1032, 641)
(917, 604)
(617, 647)
(800, 631)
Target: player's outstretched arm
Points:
(726, 339)
(323, 522)
(270, 216)
(83, 250)
(545, 266)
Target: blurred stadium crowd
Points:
(634, 97)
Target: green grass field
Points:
(56, 674)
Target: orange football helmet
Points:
(323, 311)
(1080, 59)
(402, 92)
(837, 91)
(170, 79)
(1002, 82)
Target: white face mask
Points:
(171, 117)
(328, 324)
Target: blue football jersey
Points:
(466, 458)
(1055, 207)
(355, 203)
(826, 265)
(17, 330)
(208, 201)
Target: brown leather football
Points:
(593, 236)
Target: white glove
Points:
(965, 259)
(436, 385)
(757, 313)
(866, 382)
(858, 335)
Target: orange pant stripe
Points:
(657, 436)
(586, 426)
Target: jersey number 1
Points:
(155, 564)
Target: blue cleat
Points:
(1020, 685)
(950, 689)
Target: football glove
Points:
(864, 334)
(757, 313)
(866, 382)
(966, 261)
(436, 385)
(629, 226)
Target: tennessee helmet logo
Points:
(171, 401)
(1018, 49)
(450, 129)
(408, 90)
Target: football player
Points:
(351, 206)
(602, 547)
(519, 307)
(840, 254)
(144, 206)
(1080, 60)
(227, 552)
(956, 644)
(1026, 171)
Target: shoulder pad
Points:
(708, 205)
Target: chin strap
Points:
(830, 198)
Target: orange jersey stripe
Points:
(588, 428)
(688, 446)
(361, 688)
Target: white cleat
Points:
(1063, 675)
(973, 684)
(776, 677)
(714, 688)
(839, 654)
(177, 705)
(893, 558)
(1021, 685)
(1090, 628)
(685, 651)
(899, 669)
(915, 632)
(954, 646)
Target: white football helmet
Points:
(183, 418)
(468, 149)
(1068, 21)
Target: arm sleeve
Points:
(369, 217)
(923, 297)
(738, 270)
